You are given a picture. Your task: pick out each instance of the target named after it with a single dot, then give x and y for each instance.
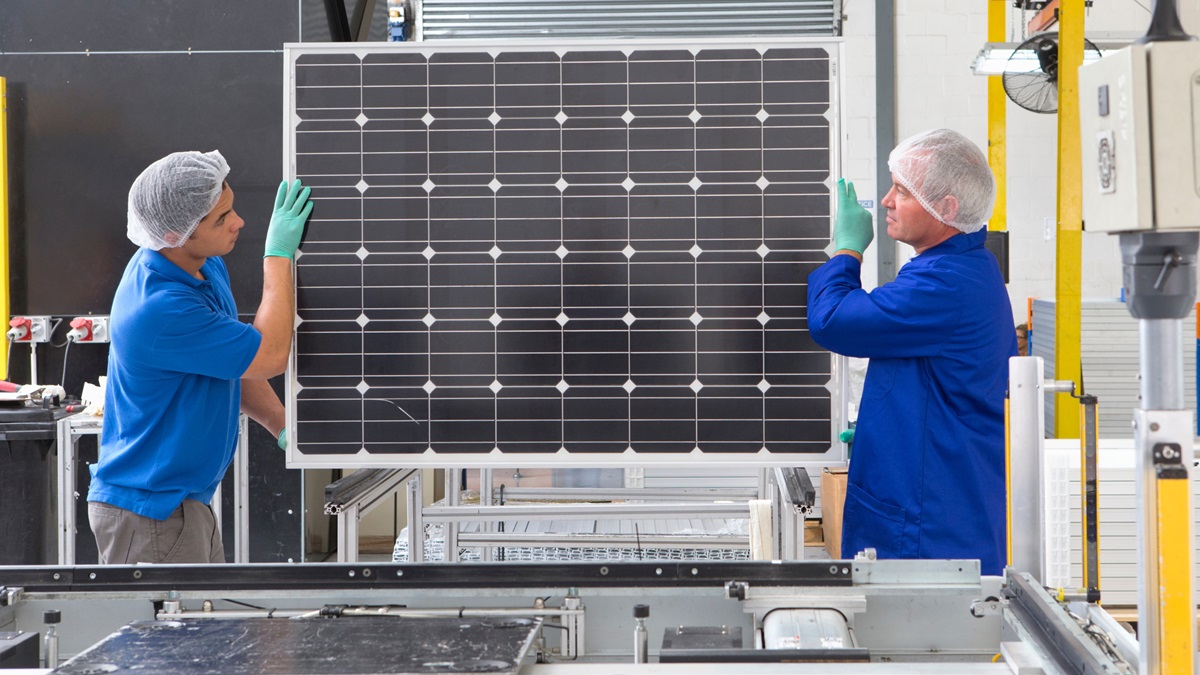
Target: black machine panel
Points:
(574, 254)
(350, 645)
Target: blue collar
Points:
(157, 262)
(959, 243)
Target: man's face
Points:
(218, 231)
(910, 223)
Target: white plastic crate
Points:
(1057, 498)
(1118, 512)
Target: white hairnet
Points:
(173, 195)
(942, 163)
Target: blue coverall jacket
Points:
(927, 471)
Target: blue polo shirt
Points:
(174, 390)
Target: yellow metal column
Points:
(997, 160)
(998, 121)
(1068, 265)
(1175, 629)
(4, 218)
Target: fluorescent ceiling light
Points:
(997, 58)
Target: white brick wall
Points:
(858, 101)
(936, 41)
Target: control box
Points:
(1140, 138)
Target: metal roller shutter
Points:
(502, 19)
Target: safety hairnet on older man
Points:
(943, 169)
(927, 470)
(172, 196)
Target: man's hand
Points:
(852, 231)
(292, 207)
(282, 440)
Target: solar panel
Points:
(561, 254)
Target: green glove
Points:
(282, 441)
(287, 221)
(852, 230)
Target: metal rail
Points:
(353, 497)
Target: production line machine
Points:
(863, 615)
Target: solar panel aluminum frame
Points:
(834, 453)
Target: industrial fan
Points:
(1031, 73)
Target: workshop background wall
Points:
(859, 115)
(96, 92)
(936, 41)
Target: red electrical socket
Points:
(81, 329)
(29, 329)
(89, 329)
(20, 328)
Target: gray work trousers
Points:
(189, 535)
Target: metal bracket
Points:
(990, 606)
(10, 595)
(1168, 461)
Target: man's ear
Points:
(948, 208)
(172, 239)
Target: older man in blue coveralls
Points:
(181, 364)
(927, 472)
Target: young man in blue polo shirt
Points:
(181, 365)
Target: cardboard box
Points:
(833, 497)
(813, 536)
